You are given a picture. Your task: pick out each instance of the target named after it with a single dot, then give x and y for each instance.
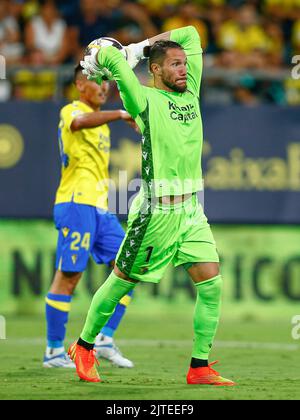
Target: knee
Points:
(204, 271)
(212, 271)
(122, 275)
(65, 283)
(71, 282)
(71, 275)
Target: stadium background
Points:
(250, 104)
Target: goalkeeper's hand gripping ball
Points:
(91, 67)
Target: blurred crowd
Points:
(236, 34)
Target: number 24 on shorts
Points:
(80, 242)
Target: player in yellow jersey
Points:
(81, 216)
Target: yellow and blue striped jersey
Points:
(85, 159)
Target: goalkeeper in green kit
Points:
(166, 222)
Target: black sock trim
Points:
(196, 363)
(84, 344)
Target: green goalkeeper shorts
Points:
(160, 234)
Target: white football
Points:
(105, 42)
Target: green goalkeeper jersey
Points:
(170, 122)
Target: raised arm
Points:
(131, 91)
(189, 39)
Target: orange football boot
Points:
(206, 376)
(85, 363)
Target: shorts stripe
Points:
(134, 238)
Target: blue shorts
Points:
(83, 231)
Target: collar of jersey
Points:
(84, 104)
(170, 93)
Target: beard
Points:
(174, 87)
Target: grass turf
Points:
(159, 343)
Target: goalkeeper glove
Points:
(92, 69)
(135, 52)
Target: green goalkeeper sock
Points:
(103, 305)
(206, 316)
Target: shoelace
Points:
(116, 348)
(67, 358)
(90, 357)
(214, 372)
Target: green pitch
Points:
(256, 351)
